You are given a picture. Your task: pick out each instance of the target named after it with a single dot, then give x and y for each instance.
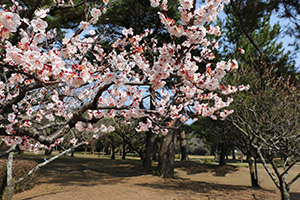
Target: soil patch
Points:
(94, 178)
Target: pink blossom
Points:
(79, 126)
(164, 132)
(96, 13)
(11, 117)
(95, 137)
(176, 30)
(242, 51)
(10, 21)
(103, 128)
(42, 13)
(39, 38)
(84, 25)
(73, 141)
(154, 3)
(39, 25)
(186, 4)
(225, 113)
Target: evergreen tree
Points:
(259, 38)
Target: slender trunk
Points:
(285, 195)
(284, 189)
(107, 150)
(124, 151)
(147, 160)
(216, 153)
(183, 146)
(72, 152)
(85, 149)
(93, 147)
(150, 137)
(233, 154)
(222, 161)
(252, 170)
(155, 149)
(113, 155)
(167, 155)
(48, 152)
(255, 169)
(103, 151)
(10, 186)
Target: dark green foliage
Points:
(138, 15)
(252, 18)
(287, 10)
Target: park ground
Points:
(91, 177)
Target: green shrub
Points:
(207, 161)
(278, 163)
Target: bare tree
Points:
(269, 118)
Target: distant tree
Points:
(247, 29)
(131, 139)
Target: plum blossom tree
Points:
(46, 85)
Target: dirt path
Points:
(93, 179)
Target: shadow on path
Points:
(295, 196)
(194, 168)
(89, 171)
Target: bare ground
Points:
(94, 178)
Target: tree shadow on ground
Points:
(191, 167)
(210, 190)
(295, 195)
(89, 171)
(43, 195)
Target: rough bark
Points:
(223, 154)
(156, 149)
(124, 151)
(150, 137)
(285, 195)
(72, 152)
(252, 170)
(9, 189)
(48, 152)
(183, 146)
(216, 153)
(93, 147)
(113, 154)
(167, 155)
(148, 153)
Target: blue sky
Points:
(284, 38)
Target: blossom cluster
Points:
(59, 86)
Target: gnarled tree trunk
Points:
(10, 187)
(156, 149)
(148, 154)
(166, 159)
(150, 137)
(183, 146)
(253, 171)
(113, 153)
(124, 151)
(223, 154)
